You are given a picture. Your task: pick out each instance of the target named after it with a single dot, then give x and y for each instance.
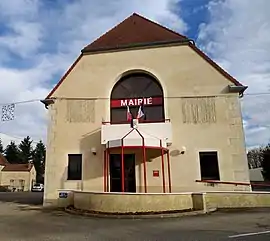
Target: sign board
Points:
(63, 194)
(136, 102)
(156, 173)
(135, 123)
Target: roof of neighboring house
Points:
(3, 160)
(137, 31)
(17, 168)
(256, 174)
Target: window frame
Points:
(134, 110)
(71, 175)
(215, 177)
(148, 109)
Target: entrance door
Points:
(115, 173)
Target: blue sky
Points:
(194, 13)
(39, 40)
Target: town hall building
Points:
(144, 110)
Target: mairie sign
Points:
(136, 102)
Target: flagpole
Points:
(141, 111)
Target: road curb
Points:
(74, 211)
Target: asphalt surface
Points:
(20, 221)
(31, 198)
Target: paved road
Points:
(32, 198)
(31, 223)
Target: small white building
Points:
(256, 174)
(16, 177)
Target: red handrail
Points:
(222, 182)
(234, 183)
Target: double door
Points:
(116, 173)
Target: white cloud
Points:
(18, 17)
(7, 138)
(25, 39)
(38, 42)
(237, 35)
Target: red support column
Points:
(162, 167)
(169, 171)
(108, 165)
(122, 167)
(144, 167)
(105, 171)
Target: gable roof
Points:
(137, 31)
(3, 160)
(17, 168)
(134, 31)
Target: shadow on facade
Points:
(92, 162)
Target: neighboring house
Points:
(16, 177)
(256, 174)
(192, 128)
(3, 163)
(258, 182)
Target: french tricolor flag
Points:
(140, 112)
(129, 114)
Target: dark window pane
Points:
(152, 114)
(74, 167)
(137, 85)
(209, 166)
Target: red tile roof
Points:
(17, 168)
(134, 30)
(137, 31)
(3, 160)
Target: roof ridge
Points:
(26, 167)
(156, 23)
(120, 24)
(111, 29)
(130, 38)
(4, 159)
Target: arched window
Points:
(133, 89)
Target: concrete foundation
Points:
(119, 203)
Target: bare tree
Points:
(255, 157)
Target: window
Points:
(209, 166)
(21, 181)
(152, 114)
(134, 86)
(74, 167)
(12, 182)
